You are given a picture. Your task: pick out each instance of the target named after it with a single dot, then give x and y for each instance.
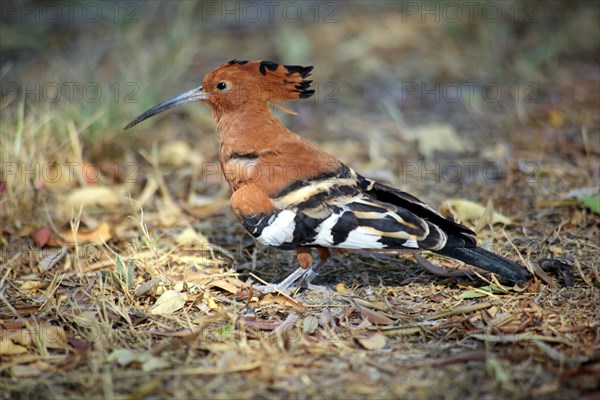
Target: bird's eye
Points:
(221, 86)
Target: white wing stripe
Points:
(280, 230)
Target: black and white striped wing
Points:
(364, 223)
(346, 220)
(357, 222)
(337, 210)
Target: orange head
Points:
(241, 83)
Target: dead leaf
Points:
(486, 217)
(225, 285)
(52, 259)
(432, 138)
(148, 361)
(100, 235)
(175, 153)
(153, 363)
(211, 303)
(191, 238)
(374, 317)
(374, 342)
(91, 196)
(49, 336)
(326, 319)
(556, 250)
(169, 302)
(122, 356)
(467, 210)
(310, 324)
(9, 348)
(341, 288)
(288, 324)
(41, 236)
(539, 272)
(54, 337)
(282, 300)
(29, 286)
(145, 287)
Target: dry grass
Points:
(97, 226)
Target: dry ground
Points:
(125, 275)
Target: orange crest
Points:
(240, 82)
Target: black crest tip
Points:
(305, 94)
(270, 65)
(303, 71)
(236, 61)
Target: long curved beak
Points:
(187, 97)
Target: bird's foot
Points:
(300, 278)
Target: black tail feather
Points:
(489, 261)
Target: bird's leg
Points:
(288, 282)
(305, 260)
(312, 272)
(308, 276)
(303, 275)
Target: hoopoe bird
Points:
(291, 195)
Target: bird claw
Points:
(297, 279)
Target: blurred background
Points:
(495, 102)
(485, 98)
(398, 83)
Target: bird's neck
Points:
(256, 149)
(246, 136)
(248, 128)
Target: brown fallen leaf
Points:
(341, 288)
(189, 237)
(91, 196)
(100, 235)
(52, 259)
(175, 153)
(282, 300)
(537, 270)
(310, 324)
(373, 342)
(9, 348)
(146, 287)
(225, 285)
(467, 210)
(435, 137)
(49, 336)
(374, 317)
(147, 360)
(169, 302)
(29, 286)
